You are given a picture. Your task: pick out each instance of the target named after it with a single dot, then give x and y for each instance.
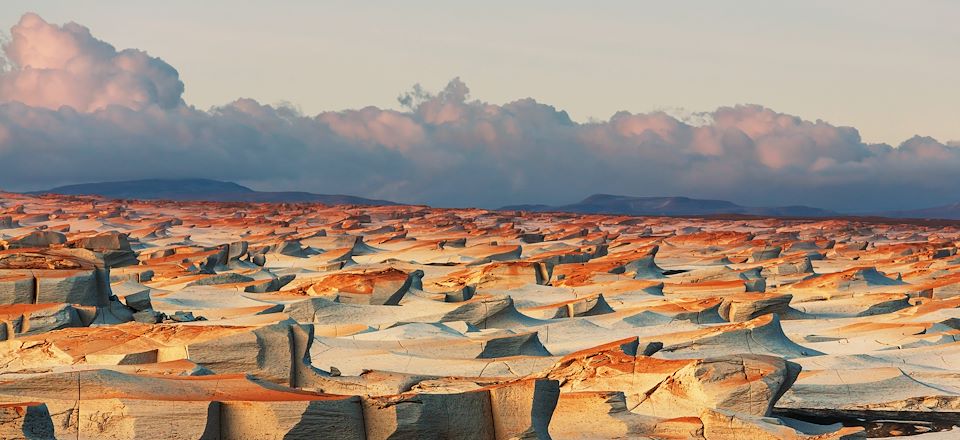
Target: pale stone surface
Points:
(256, 321)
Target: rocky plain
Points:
(125, 319)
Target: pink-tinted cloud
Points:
(53, 66)
(74, 109)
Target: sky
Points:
(888, 68)
(759, 102)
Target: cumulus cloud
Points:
(74, 109)
(53, 66)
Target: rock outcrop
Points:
(166, 319)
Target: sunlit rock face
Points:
(153, 319)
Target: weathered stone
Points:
(340, 418)
(149, 316)
(181, 316)
(17, 288)
(463, 416)
(37, 239)
(139, 301)
(111, 240)
(25, 421)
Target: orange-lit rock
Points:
(156, 319)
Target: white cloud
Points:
(73, 109)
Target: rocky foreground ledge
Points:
(186, 320)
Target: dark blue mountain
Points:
(202, 189)
(673, 206)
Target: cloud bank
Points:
(74, 109)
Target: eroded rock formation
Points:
(130, 319)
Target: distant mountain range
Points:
(202, 189)
(220, 191)
(673, 206)
(949, 212)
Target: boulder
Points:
(111, 240)
(37, 239)
(149, 316)
(379, 287)
(139, 301)
(750, 384)
(746, 306)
